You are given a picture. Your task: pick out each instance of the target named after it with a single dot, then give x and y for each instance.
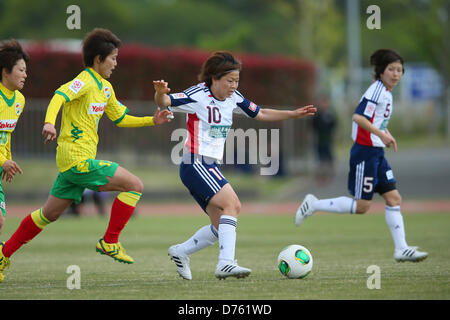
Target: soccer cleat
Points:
(182, 263)
(114, 250)
(409, 254)
(4, 262)
(305, 210)
(231, 269)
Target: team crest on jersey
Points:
(107, 92)
(180, 95)
(252, 106)
(18, 108)
(370, 109)
(76, 85)
(3, 205)
(97, 108)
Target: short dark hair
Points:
(217, 65)
(10, 52)
(381, 58)
(99, 42)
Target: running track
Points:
(165, 209)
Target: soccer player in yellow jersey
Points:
(85, 99)
(13, 73)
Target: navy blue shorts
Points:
(369, 172)
(202, 178)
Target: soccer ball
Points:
(295, 262)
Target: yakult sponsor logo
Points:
(7, 125)
(97, 108)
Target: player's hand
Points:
(49, 132)
(10, 168)
(303, 112)
(389, 140)
(162, 116)
(161, 86)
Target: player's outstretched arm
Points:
(162, 116)
(159, 117)
(278, 115)
(162, 90)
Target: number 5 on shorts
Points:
(368, 184)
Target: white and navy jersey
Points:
(376, 106)
(209, 119)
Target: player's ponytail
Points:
(381, 58)
(217, 65)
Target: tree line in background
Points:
(314, 30)
(300, 28)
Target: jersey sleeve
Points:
(245, 106)
(366, 108)
(3, 155)
(369, 101)
(21, 99)
(72, 89)
(115, 110)
(183, 101)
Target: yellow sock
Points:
(130, 198)
(39, 219)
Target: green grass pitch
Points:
(343, 247)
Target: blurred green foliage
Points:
(301, 28)
(310, 29)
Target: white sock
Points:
(227, 237)
(204, 237)
(336, 205)
(394, 221)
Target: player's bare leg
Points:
(54, 207)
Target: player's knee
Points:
(362, 207)
(394, 200)
(237, 207)
(137, 185)
(233, 208)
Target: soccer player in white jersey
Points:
(369, 170)
(209, 106)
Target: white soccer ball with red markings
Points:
(295, 262)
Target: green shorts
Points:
(2, 195)
(89, 174)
